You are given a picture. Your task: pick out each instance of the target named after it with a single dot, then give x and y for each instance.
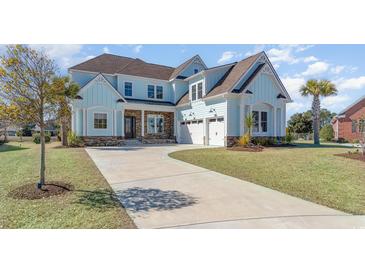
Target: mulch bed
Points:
(247, 148)
(354, 156)
(31, 192)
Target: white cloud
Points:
(276, 66)
(63, 54)
(309, 59)
(137, 49)
(301, 48)
(256, 49)
(283, 54)
(337, 69)
(350, 83)
(227, 56)
(336, 102)
(106, 50)
(293, 85)
(296, 107)
(316, 68)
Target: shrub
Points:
(289, 137)
(74, 140)
(356, 141)
(326, 133)
(244, 140)
(37, 138)
(341, 140)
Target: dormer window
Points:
(197, 91)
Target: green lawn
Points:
(306, 171)
(91, 205)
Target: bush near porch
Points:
(306, 171)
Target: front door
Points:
(130, 127)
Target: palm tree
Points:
(316, 89)
(64, 90)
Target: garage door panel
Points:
(192, 132)
(216, 131)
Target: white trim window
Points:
(155, 124)
(197, 91)
(260, 121)
(151, 91)
(128, 89)
(159, 92)
(100, 120)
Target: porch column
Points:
(275, 130)
(142, 123)
(122, 122)
(84, 116)
(114, 123)
(73, 117)
(242, 119)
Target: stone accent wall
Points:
(137, 114)
(103, 140)
(168, 126)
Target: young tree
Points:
(64, 90)
(362, 135)
(249, 124)
(300, 123)
(317, 89)
(8, 116)
(26, 77)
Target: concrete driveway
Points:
(160, 192)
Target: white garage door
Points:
(216, 132)
(192, 132)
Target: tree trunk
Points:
(5, 135)
(42, 175)
(316, 109)
(64, 132)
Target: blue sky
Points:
(342, 64)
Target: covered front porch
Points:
(139, 122)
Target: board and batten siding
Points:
(139, 88)
(98, 97)
(202, 109)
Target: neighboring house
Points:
(124, 98)
(347, 125)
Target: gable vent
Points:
(280, 96)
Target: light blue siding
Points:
(187, 72)
(202, 109)
(139, 87)
(82, 78)
(214, 76)
(91, 131)
(233, 117)
(180, 88)
(264, 90)
(247, 75)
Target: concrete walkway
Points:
(160, 192)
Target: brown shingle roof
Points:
(184, 99)
(110, 64)
(105, 63)
(232, 76)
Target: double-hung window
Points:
(193, 92)
(197, 91)
(263, 121)
(151, 91)
(155, 124)
(127, 88)
(362, 125)
(255, 118)
(100, 121)
(200, 90)
(259, 121)
(159, 92)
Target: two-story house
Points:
(124, 98)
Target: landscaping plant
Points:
(326, 133)
(74, 140)
(25, 81)
(317, 88)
